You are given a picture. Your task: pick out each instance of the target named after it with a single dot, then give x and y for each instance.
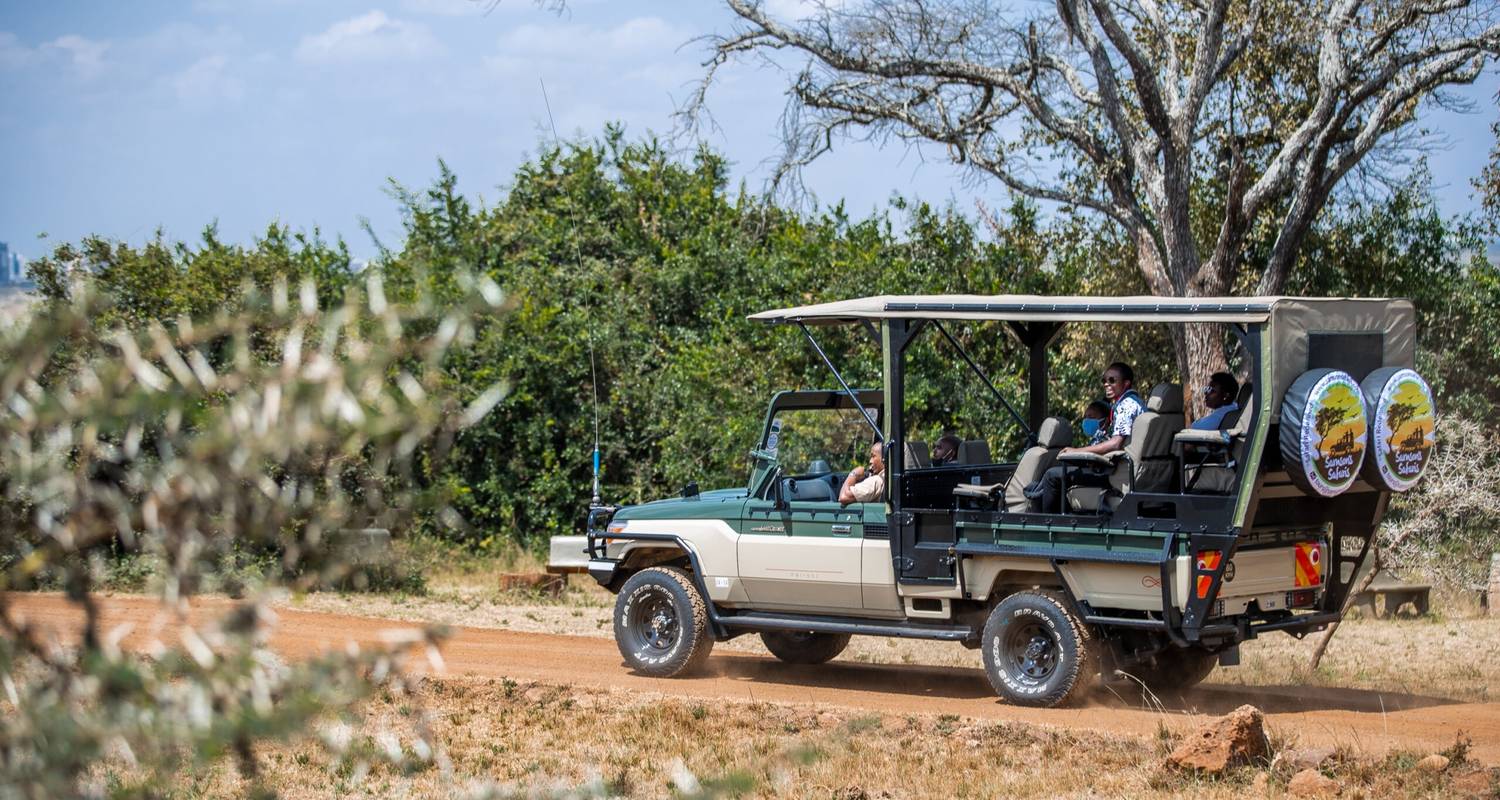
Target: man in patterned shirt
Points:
(1124, 406)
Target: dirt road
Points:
(1368, 721)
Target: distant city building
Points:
(12, 268)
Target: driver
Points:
(865, 486)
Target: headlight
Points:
(615, 527)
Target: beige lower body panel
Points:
(1263, 576)
(810, 573)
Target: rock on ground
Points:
(1236, 738)
(1297, 760)
(1433, 763)
(1312, 783)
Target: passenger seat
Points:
(974, 451)
(1054, 434)
(1212, 469)
(917, 455)
(1146, 463)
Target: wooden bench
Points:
(1397, 594)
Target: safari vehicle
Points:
(1202, 539)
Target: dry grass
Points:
(536, 739)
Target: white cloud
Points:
(207, 81)
(371, 36)
(178, 39)
(13, 54)
(86, 55)
(461, 8)
(639, 35)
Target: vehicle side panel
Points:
(878, 577)
(806, 572)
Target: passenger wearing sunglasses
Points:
(1219, 395)
(1124, 406)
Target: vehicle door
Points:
(799, 548)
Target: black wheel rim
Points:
(653, 620)
(1031, 652)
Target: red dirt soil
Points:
(1365, 720)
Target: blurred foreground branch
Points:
(272, 425)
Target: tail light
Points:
(1302, 598)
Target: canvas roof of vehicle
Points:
(1291, 319)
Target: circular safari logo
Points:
(1329, 431)
(1404, 427)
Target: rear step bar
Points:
(763, 621)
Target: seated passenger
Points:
(1094, 417)
(946, 450)
(1219, 396)
(865, 486)
(1125, 405)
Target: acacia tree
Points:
(1188, 123)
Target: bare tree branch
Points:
(1126, 108)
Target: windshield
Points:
(818, 441)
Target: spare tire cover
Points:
(1403, 427)
(1324, 431)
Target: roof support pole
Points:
(1037, 336)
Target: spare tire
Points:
(1324, 431)
(1403, 427)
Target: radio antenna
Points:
(588, 330)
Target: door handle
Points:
(841, 530)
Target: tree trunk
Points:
(1199, 346)
(1204, 345)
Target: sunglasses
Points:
(1112, 380)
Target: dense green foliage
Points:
(630, 274)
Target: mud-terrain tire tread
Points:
(1071, 684)
(698, 642)
(796, 647)
(1176, 670)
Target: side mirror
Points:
(778, 491)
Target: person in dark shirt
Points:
(946, 450)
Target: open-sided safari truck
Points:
(1201, 539)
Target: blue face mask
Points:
(1091, 426)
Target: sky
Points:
(120, 119)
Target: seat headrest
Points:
(974, 451)
(818, 467)
(1055, 432)
(1247, 389)
(1166, 398)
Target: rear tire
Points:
(1176, 670)
(661, 623)
(805, 647)
(1037, 652)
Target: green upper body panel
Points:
(725, 504)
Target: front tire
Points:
(661, 623)
(804, 647)
(1036, 652)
